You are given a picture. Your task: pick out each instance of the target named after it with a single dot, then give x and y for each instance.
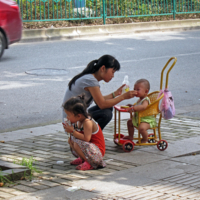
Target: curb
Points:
(106, 30)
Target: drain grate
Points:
(47, 72)
(12, 171)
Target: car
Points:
(10, 24)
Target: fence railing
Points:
(55, 10)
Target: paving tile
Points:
(40, 187)
(61, 139)
(64, 168)
(3, 152)
(106, 170)
(26, 152)
(17, 193)
(3, 145)
(44, 143)
(7, 189)
(62, 181)
(58, 145)
(25, 188)
(60, 149)
(192, 159)
(196, 184)
(57, 171)
(58, 152)
(5, 195)
(30, 146)
(41, 152)
(60, 156)
(77, 175)
(42, 139)
(42, 156)
(49, 183)
(67, 159)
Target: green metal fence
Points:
(55, 10)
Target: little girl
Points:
(142, 88)
(86, 137)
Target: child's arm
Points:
(87, 126)
(141, 107)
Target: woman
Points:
(88, 82)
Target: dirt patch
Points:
(88, 22)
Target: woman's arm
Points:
(115, 94)
(107, 103)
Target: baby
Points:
(142, 88)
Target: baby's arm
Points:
(141, 107)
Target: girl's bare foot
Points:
(128, 138)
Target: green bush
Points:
(42, 10)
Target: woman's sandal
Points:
(84, 166)
(77, 161)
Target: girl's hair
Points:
(76, 105)
(107, 60)
(145, 82)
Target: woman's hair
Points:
(76, 105)
(95, 65)
(145, 82)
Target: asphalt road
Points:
(31, 100)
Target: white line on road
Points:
(153, 58)
(143, 59)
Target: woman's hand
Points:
(130, 94)
(68, 128)
(119, 90)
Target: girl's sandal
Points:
(77, 161)
(84, 166)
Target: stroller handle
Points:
(161, 80)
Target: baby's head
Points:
(142, 86)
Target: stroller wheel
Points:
(162, 145)
(152, 140)
(116, 141)
(128, 146)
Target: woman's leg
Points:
(130, 130)
(101, 116)
(143, 127)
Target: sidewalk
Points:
(107, 30)
(145, 173)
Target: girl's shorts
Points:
(91, 152)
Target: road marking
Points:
(143, 59)
(160, 57)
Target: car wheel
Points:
(2, 44)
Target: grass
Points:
(28, 162)
(3, 179)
